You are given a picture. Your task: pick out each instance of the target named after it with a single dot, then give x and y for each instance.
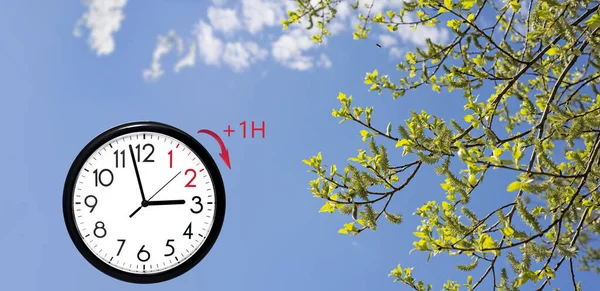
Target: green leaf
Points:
(358, 112)
(480, 61)
(454, 24)
(467, 4)
(448, 4)
(508, 231)
(514, 186)
(472, 180)
(594, 21)
(471, 17)
(378, 18)
(552, 51)
(402, 142)
(421, 245)
(469, 118)
(410, 57)
(420, 234)
(486, 242)
(497, 152)
(349, 226)
(327, 208)
(317, 38)
(515, 5)
(365, 134)
(446, 206)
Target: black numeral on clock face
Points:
(104, 177)
(143, 255)
(188, 231)
(147, 159)
(99, 230)
(171, 247)
(199, 203)
(122, 153)
(121, 247)
(90, 201)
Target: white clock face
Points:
(151, 231)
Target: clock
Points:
(144, 202)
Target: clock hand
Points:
(136, 211)
(166, 202)
(145, 203)
(137, 173)
(165, 185)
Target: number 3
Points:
(199, 202)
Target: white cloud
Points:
(223, 19)
(164, 45)
(219, 2)
(343, 10)
(336, 26)
(420, 35)
(339, 23)
(240, 55)
(380, 5)
(288, 49)
(354, 21)
(405, 32)
(291, 5)
(103, 18)
(395, 52)
(387, 40)
(210, 47)
(259, 14)
(189, 60)
(324, 62)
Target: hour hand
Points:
(165, 202)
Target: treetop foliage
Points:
(540, 58)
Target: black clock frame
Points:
(132, 127)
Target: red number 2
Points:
(189, 184)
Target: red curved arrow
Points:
(224, 152)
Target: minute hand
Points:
(137, 173)
(166, 202)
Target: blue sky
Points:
(59, 91)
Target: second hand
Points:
(145, 202)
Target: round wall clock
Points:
(144, 202)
